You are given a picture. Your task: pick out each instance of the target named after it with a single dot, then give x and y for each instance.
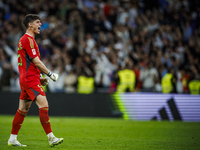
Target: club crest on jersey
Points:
(34, 52)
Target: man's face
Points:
(35, 25)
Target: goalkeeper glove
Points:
(53, 76)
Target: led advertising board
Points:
(145, 106)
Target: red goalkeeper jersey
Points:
(28, 72)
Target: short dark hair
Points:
(30, 18)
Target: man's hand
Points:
(44, 81)
(53, 76)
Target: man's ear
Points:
(30, 24)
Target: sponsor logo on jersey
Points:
(34, 52)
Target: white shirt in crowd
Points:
(147, 77)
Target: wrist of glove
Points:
(53, 76)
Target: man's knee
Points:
(24, 108)
(41, 101)
(24, 105)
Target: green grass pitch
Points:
(100, 134)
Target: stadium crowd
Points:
(97, 38)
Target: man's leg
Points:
(42, 103)
(24, 106)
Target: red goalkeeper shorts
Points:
(32, 93)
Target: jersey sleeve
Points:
(30, 47)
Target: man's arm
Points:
(39, 64)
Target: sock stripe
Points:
(21, 112)
(48, 121)
(44, 108)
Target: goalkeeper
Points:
(30, 66)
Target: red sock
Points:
(17, 121)
(44, 119)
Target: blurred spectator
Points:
(122, 16)
(194, 85)
(169, 82)
(127, 80)
(59, 85)
(148, 76)
(137, 71)
(14, 82)
(51, 85)
(85, 84)
(90, 3)
(185, 80)
(70, 82)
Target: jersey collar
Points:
(28, 34)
